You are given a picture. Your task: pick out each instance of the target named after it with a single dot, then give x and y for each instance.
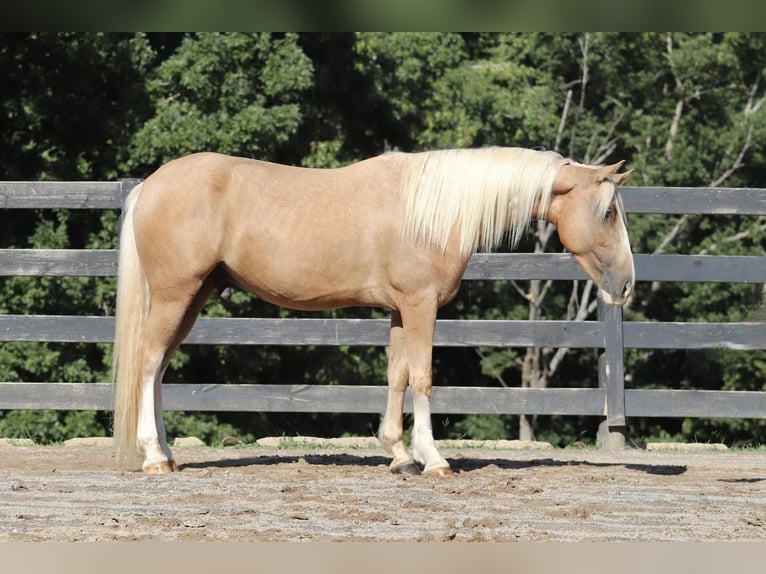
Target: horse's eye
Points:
(609, 214)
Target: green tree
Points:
(232, 93)
(70, 102)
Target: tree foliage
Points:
(239, 94)
(682, 109)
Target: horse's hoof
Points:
(441, 472)
(164, 467)
(408, 468)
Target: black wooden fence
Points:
(609, 333)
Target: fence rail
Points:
(608, 333)
(374, 332)
(520, 266)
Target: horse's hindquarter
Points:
(179, 221)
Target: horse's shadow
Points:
(459, 465)
(340, 459)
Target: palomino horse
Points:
(395, 231)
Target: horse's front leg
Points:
(391, 433)
(419, 325)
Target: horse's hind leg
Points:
(391, 433)
(170, 319)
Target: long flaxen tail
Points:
(132, 308)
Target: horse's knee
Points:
(421, 383)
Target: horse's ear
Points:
(607, 171)
(621, 178)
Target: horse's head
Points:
(587, 210)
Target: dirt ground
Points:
(68, 493)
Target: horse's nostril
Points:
(627, 289)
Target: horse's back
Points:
(249, 180)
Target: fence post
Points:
(611, 377)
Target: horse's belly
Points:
(308, 284)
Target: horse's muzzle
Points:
(622, 298)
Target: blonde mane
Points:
(486, 192)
